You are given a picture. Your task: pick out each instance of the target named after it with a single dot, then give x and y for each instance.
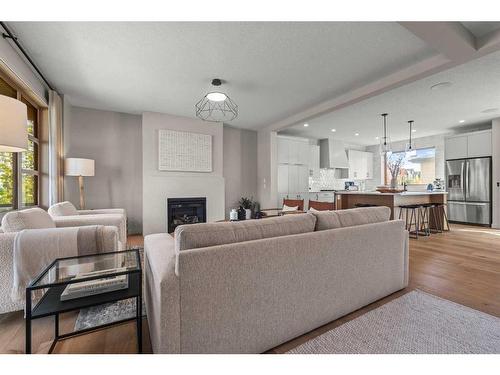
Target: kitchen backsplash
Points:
(329, 181)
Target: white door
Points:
(369, 165)
(293, 180)
(303, 178)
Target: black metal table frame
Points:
(112, 297)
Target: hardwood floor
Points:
(462, 266)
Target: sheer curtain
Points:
(56, 148)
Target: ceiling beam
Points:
(399, 78)
(454, 43)
(451, 39)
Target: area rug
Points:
(107, 313)
(416, 322)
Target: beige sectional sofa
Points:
(249, 286)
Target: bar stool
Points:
(413, 212)
(441, 217)
(425, 227)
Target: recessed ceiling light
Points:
(306, 125)
(377, 137)
(334, 130)
(461, 121)
(489, 110)
(356, 134)
(441, 85)
(414, 130)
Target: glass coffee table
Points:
(74, 283)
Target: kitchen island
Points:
(349, 199)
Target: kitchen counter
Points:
(409, 193)
(349, 199)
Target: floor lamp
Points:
(13, 125)
(81, 168)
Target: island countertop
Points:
(352, 199)
(403, 193)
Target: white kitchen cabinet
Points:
(455, 147)
(283, 178)
(479, 144)
(293, 150)
(283, 150)
(360, 165)
(314, 161)
(470, 145)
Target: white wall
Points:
(267, 168)
(240, 165)
(157, 185)
(113, 140)
(10, 57)
(495, 129)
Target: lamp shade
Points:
(79, 167)
(13, 125)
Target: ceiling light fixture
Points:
(385, 145)
(334, 130)
(356, 134)
(408, 146)
(441, 85)
(306, 125)
(216, 106)
(461, 121)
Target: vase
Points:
(248, 213)
(394, 183)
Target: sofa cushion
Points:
(32, 218)
(63, 209)
(195, 236)
(351, 217)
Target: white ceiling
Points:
(273, 70)
(476, 87)
(479, 29)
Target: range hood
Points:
(332, 154)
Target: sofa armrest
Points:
(162, 293)
(115, 220)
(99, 211)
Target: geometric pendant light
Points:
(216, 105)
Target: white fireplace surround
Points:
(158, 186)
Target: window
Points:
(19, 172)
(415, 166)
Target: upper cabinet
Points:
(360, 165)
(470, 145)
(314, 161)
(479, 144)
(293, 151)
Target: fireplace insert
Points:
(182, 211)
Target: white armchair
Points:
(36, 223)
(65, 214)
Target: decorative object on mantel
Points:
(184, 152)
(233, 215)
(81, 168)
(13, 125)
(248, 204)
(216, 106)
(394, 163)
(241, 213)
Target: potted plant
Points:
(247, 204)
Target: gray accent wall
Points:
(240, 165)
(114, 141)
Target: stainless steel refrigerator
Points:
(468, 182)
